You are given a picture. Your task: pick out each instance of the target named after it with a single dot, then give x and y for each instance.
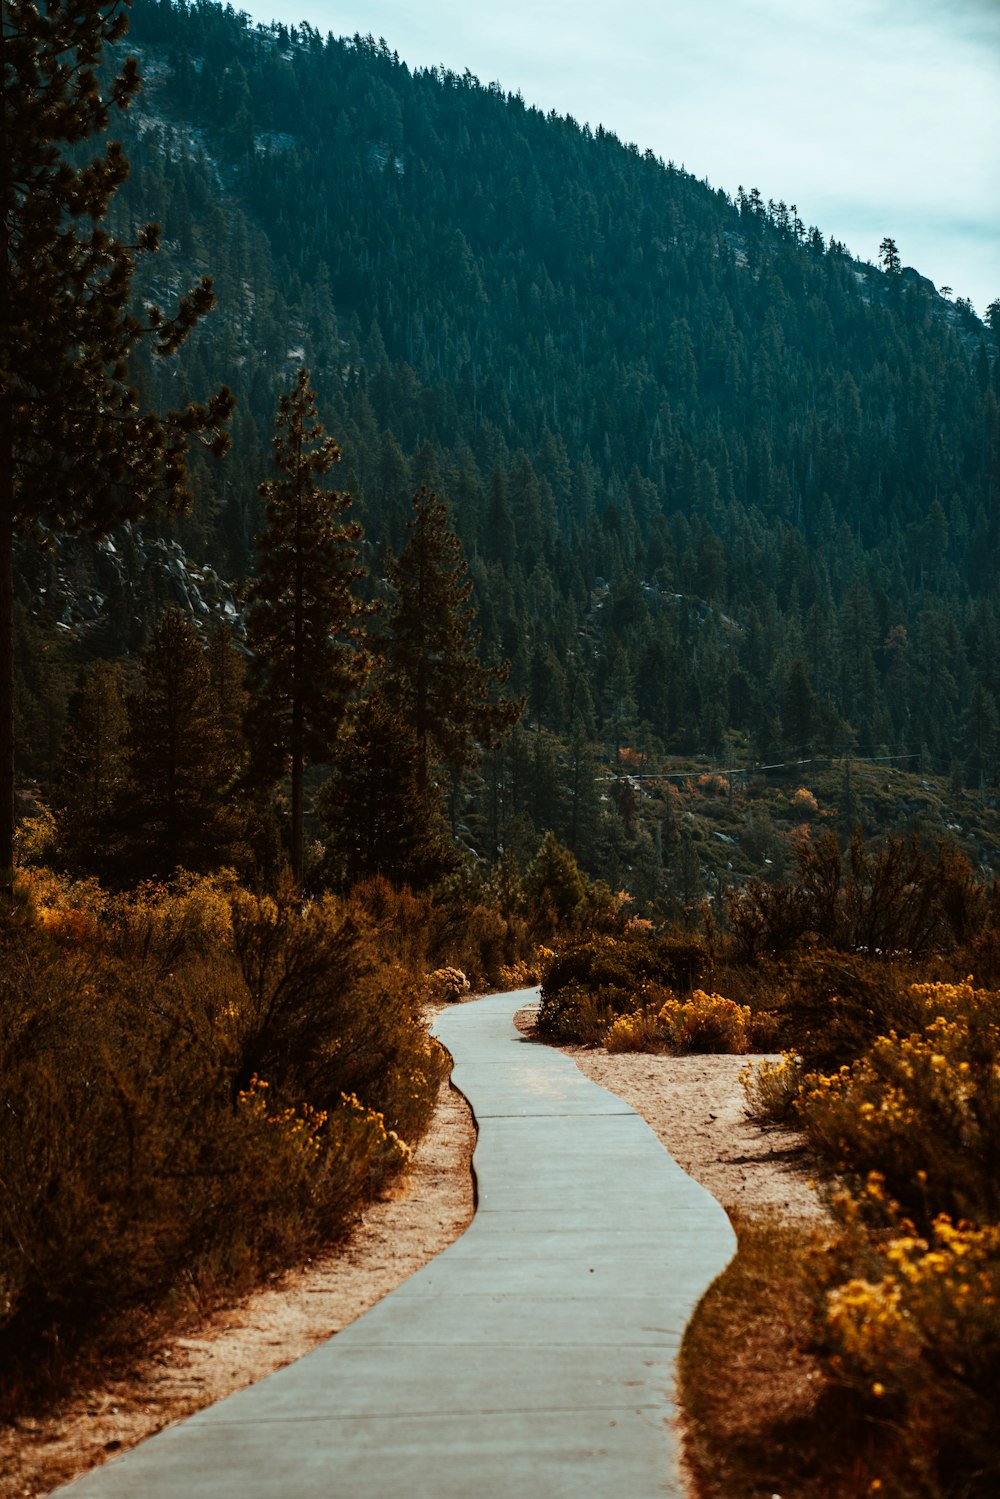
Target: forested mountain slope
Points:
(725, 490)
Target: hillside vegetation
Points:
(724, 490)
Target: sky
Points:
(874, 117)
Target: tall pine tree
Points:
(305, 624)
(76, 450)
(91, 771)
(378, 821)
(177, 809)
(441, 687)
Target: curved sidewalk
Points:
(533, 1359)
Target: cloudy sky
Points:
(875, 117)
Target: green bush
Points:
(835, 1005)
(588, 982)
(888, 900)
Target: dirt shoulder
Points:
(422, 1214)
(695, 1106)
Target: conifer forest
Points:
(723, 491)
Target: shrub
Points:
(477, 939)
(908, 1300)
(587, 983)
(703, 1023)
(912, 1322)
(447, 984)
(834, 1006)
(922, 1110)
(771, 1089)
(642, 1031)
(576, 1013)
(683, 961)
(887, 900)
(424, 933)
(601, 977)
(207, 1087)
(706, 1023)
(520, 975)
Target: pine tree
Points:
(305, 624)
(553, 884)
(799, 708)
(888, 254)
(227, 672)
(177, 810)
(378, 820)
(76, 450)
(91, 771)
(443, 690)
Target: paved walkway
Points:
(533, 1359)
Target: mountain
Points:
(725, 490)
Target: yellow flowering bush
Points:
(200, 1084)
(587, 983)
(520, 975)
(639, 1032)
(772, 1088)
(447, 984)
(908, 1298)
(935, 1298)
(193, 912)
(922, 1109)
(704, 1023)
(36, 837)
(325, 1159)
(297, 1129)
(911, 1322)
(51, 892)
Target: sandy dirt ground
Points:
(695, 1106)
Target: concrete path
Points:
(533, 1359)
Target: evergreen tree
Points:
(442, 688)
(553, 884)
(176, 810)
(799, 709)
(981, 738)
(305, 624)
(377, 818)
(92, 768)
(227, 672)
(888, 254)
(76, 451)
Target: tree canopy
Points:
(305, 622)
(77, 448)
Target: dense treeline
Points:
(723, 489)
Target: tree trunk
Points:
(6, 514)
(298, 686)
(6, 648)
